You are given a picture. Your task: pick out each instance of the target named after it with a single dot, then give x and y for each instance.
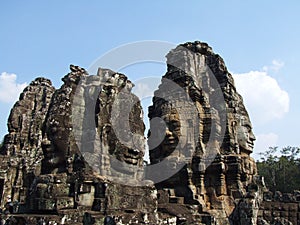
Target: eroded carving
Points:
(69, 151)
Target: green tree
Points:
(280, 168)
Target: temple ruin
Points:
(74, 155)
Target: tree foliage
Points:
(280, 168)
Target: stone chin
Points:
(247, 148)
(245, 143)
(53, 165)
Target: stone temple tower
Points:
(207, 134)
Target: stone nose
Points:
(252, 136)
(168, 132)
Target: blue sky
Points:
(41, 38)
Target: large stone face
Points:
(58, 140)
(75, 155)
(21, 154)
(27, 117)
(204, 117)
(67, 143)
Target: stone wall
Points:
(280, 208)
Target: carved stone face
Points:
(54, 159)
(245, 135)
(120, 151)
(172, 132)
(126, 144)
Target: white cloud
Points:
(263, 97)
(264, 141)
(9, 88)
(145, 87)
(142, 90)
(275, 67)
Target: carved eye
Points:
(174, 125)
(249, 128)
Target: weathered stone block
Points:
(44, 204)
(60, 190)
(86, 199)
(65, 203)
